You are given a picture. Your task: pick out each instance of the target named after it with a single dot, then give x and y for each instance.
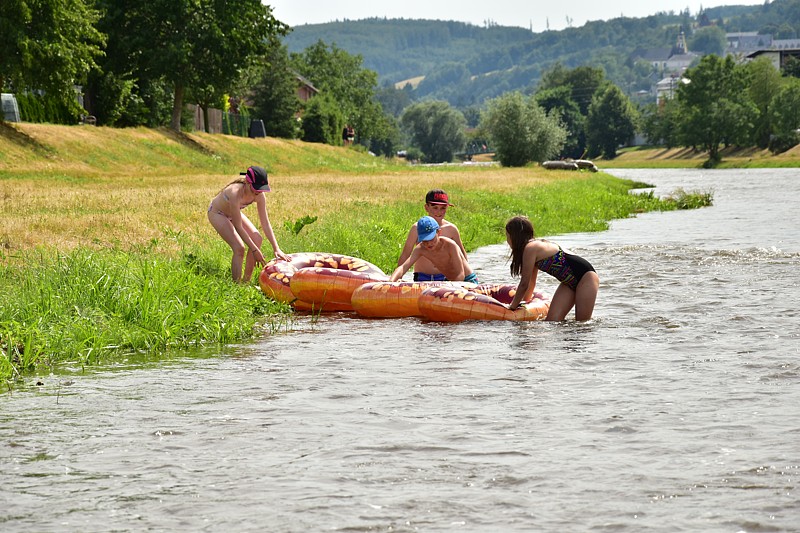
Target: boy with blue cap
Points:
(442, 252)
(436, 204)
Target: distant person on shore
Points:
(443, 253)
(436, 204)
(225, 214)
(348, 135)
(579, 281)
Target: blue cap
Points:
(426, 229)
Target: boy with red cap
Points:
(436, 204)
(443, 253)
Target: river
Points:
(674, 409)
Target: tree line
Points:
(140, 61)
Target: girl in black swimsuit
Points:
(579, 281)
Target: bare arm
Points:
(400, 271)
(236, 220)
(527, 282)
(263, 217)
(408, 247)
(458, 241)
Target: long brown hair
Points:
(520, 231)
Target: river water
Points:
(677, 408)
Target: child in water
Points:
(443, 253)
(436, 204)
(579, 281)
(225, 214)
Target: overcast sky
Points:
(539, 15)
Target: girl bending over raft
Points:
(225, 214)
(579, 281)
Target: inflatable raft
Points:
(332, 282)
(455, 304)
(317, 281)
(445, 301)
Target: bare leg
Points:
(586, 295)
(228, 233)
(250, 261)
(562, 302)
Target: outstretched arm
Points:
(527, 282)
(400, 271)
(408, 247)
(263, 217)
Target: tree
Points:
(785, 116)
(521, 131)
(583, 82)
(275, 94)
(765, 82)
(342, 77)
(47, 44)
(201, 45)
(558, 101)
(709, 40)
(611, 122)
(323, 121)
(660, 123)
(435, 128)
(715, 106)
(792, 67)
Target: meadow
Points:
(105, 249)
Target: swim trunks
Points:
(419, 276)
(472, 278)
(566, 268)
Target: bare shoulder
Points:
(541, 247)
(448, 229)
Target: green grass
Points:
(115, 294)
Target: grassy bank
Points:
(647, 157)
(105, 248)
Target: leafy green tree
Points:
(785, 116)
(342, 77)
(47, 44)
(709, 40)
(323, 121)
(715, 106)
(611, 122)
(660, 123)
(521, 131)
(274, 94)
(200, 45)
(558, 101)
(765, 82)
(435, 128)
(792, 67)
(583, 82)
(393, 101)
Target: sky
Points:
(538, 16)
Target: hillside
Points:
(466, 64)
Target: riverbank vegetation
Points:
(105, 249)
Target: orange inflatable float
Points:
(317, 281)
(394, 299)
(454, 304)
(445, 301)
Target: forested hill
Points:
(465, 64)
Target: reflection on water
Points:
(673, 410)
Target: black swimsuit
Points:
(566, 268)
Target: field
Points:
(105, 248)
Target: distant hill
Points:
(466, 64)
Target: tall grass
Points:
(115, 255)
(84, 305)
